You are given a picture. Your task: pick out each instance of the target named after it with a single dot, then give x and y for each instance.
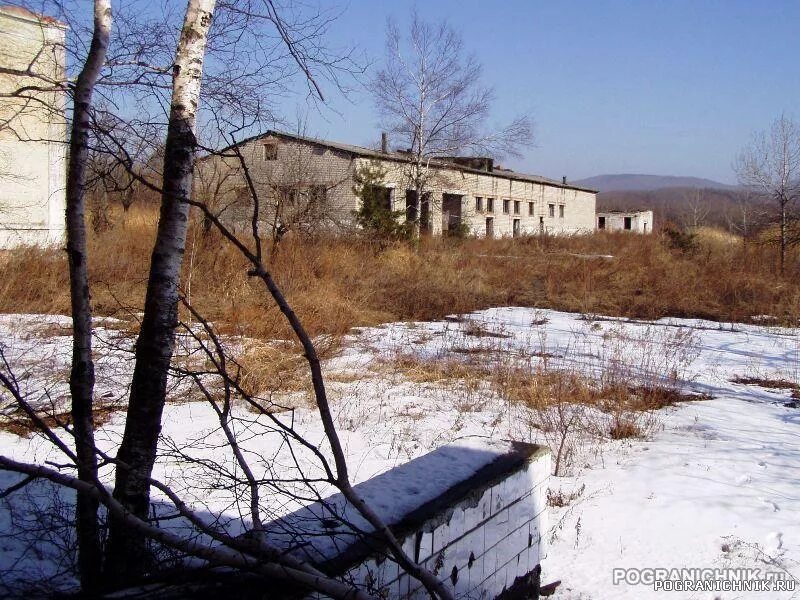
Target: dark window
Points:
(560, 211)
(517, 204)
(530, 209)
(270, 151)
(286, 194)
(318, 194)
(382, 196)
(551, 208)
(478, 204)
(490, 205)
(506, 206)
(628, 222)
(601, 222)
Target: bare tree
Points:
(38, 92)
(234, 94)
(430, 97)
(770, 167)
(298, 195)
(696, 208)
(82, 373)
(129, 504)
(219, 188)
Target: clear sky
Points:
(664, 87)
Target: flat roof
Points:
(624, 212)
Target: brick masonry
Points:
(543, 206)
(638, 222)
(479, 539)
(33, 144)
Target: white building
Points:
(32, 130)
(637, 222)
(464, 194)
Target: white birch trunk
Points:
(127, 556)
(81, 378)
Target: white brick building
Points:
(637, 221)
(32, 130)
(469, 194)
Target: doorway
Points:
(411, 210)
(451, 213)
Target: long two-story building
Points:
(313, 181)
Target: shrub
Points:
(375, 215)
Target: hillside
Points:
(684, 201)
(636, 182)
(689, 207)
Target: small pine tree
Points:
(375, 215)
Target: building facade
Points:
(638, 221)
(32, 129)
(317, 180)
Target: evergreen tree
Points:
(375, 214)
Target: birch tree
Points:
(82, 372)
(126, 557)
(42, 84)
(429, 96)
(156, 341)
(770, 167)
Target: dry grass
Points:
(336, 284)
(23, 427)
(267, 369)
(777, 384)
(628, 407)
(444, 370)
(276, 372)
(540, 388)
(559, 498)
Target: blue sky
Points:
(670, 88)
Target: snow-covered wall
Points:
(481, 535)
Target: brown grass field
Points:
(336, 283)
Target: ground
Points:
(711, 482)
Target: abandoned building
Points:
(33, 131)
(305, 182)
(637, 221)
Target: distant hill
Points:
(644, 183)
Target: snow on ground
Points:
(716, 485)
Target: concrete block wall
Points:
(481, 548)
(478, 522)
(639, 221)
(578, 210)
(220, 181)
(473, 513)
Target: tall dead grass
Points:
(335, 284)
